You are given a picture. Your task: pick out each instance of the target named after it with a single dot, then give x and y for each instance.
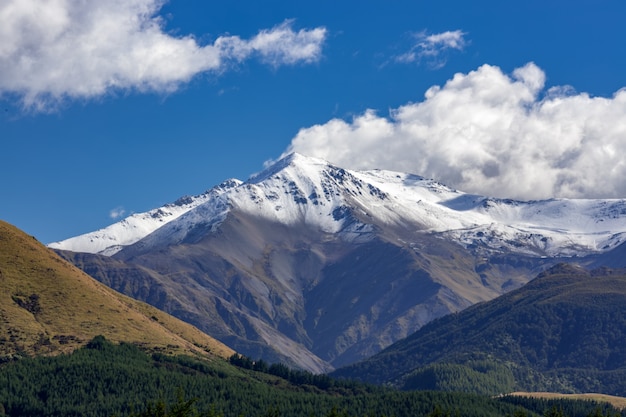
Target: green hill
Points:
(564, 331)
(48, 307)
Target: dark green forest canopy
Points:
(104, 379)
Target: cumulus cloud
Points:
(433, 47)
(53, 50)
(490, 133)
(117, 213)
(279, 46)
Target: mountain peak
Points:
(291, 160)
(303, 190)
(296, 158)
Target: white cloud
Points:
(278, 46)
(117, 213)
(53, 50)
(490, 133)
(433, 47)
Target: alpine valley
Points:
(320, 267)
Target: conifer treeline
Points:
(104, 379)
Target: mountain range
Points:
(319, 266)
(565, 328)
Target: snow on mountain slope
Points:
(302, 190)
(112, 239)
(557, 227)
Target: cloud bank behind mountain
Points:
(491, 133)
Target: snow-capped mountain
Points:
(113, 238)
(299, 189)
(318, 266)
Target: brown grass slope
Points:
(48, 306)
(615, 401)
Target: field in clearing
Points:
(617, 402)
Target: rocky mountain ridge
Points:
(299, 189)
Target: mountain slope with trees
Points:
(564, 331)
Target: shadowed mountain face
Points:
(564, 331)
(295, 295)
(318, 266)
(48, 306)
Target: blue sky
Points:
(115, 107)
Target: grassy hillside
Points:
(564, 331)
(48, 306)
